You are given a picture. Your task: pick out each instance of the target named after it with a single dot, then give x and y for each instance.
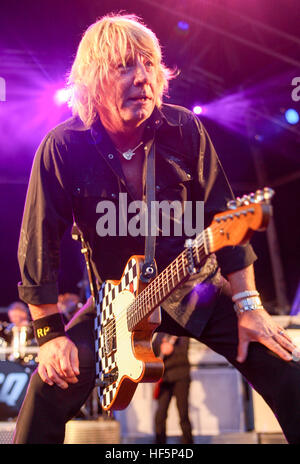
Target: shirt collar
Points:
(156, 120)
(159, 116)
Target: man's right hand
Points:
(58, 362)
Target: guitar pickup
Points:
(109, 337)
(107, 378)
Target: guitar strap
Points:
(149, 268)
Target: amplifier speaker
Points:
(99, 431)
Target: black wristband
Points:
(48, 327)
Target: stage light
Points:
(197, 109)
(259, 137)
(183, 25)
(292, 116)
(62, 96)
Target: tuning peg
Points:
(252, 197)
(232, 204)
(245, 200)
(259, 196)
(268, 193)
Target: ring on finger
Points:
(281, 332)
(296, 355)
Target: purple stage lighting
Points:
(183, 25)
(292, 116)
(62, 96)
(197, 109)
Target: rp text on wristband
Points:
(48, 327)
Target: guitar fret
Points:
(168, 280)
(207, 238)
(183, 267)
(157, 290)
(177, 271)
(165, 292)
(197, 250)
(165, 283)
(172, 276)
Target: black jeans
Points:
(46, 408)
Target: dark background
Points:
(236, 58)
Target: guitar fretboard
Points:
(165, 283)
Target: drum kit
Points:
(18, 353)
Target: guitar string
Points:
(146, 296)
(155, 285)
(123, 324)
(158, 284)
(142, 299)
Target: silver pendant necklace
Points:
(130, 153)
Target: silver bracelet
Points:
(248, 304)
(245, 294)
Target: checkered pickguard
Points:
(108, 292)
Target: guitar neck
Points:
(228, 228)
(167, 281)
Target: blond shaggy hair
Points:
(103, 45)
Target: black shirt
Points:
(75, 168)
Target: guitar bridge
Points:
(109, 337)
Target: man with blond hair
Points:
(118, 81)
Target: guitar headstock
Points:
(244, 216)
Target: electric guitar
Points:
(128, 309)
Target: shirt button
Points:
(78, 190)
(110, 156)
(113, 195)
(157, 188)
(157, 121)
